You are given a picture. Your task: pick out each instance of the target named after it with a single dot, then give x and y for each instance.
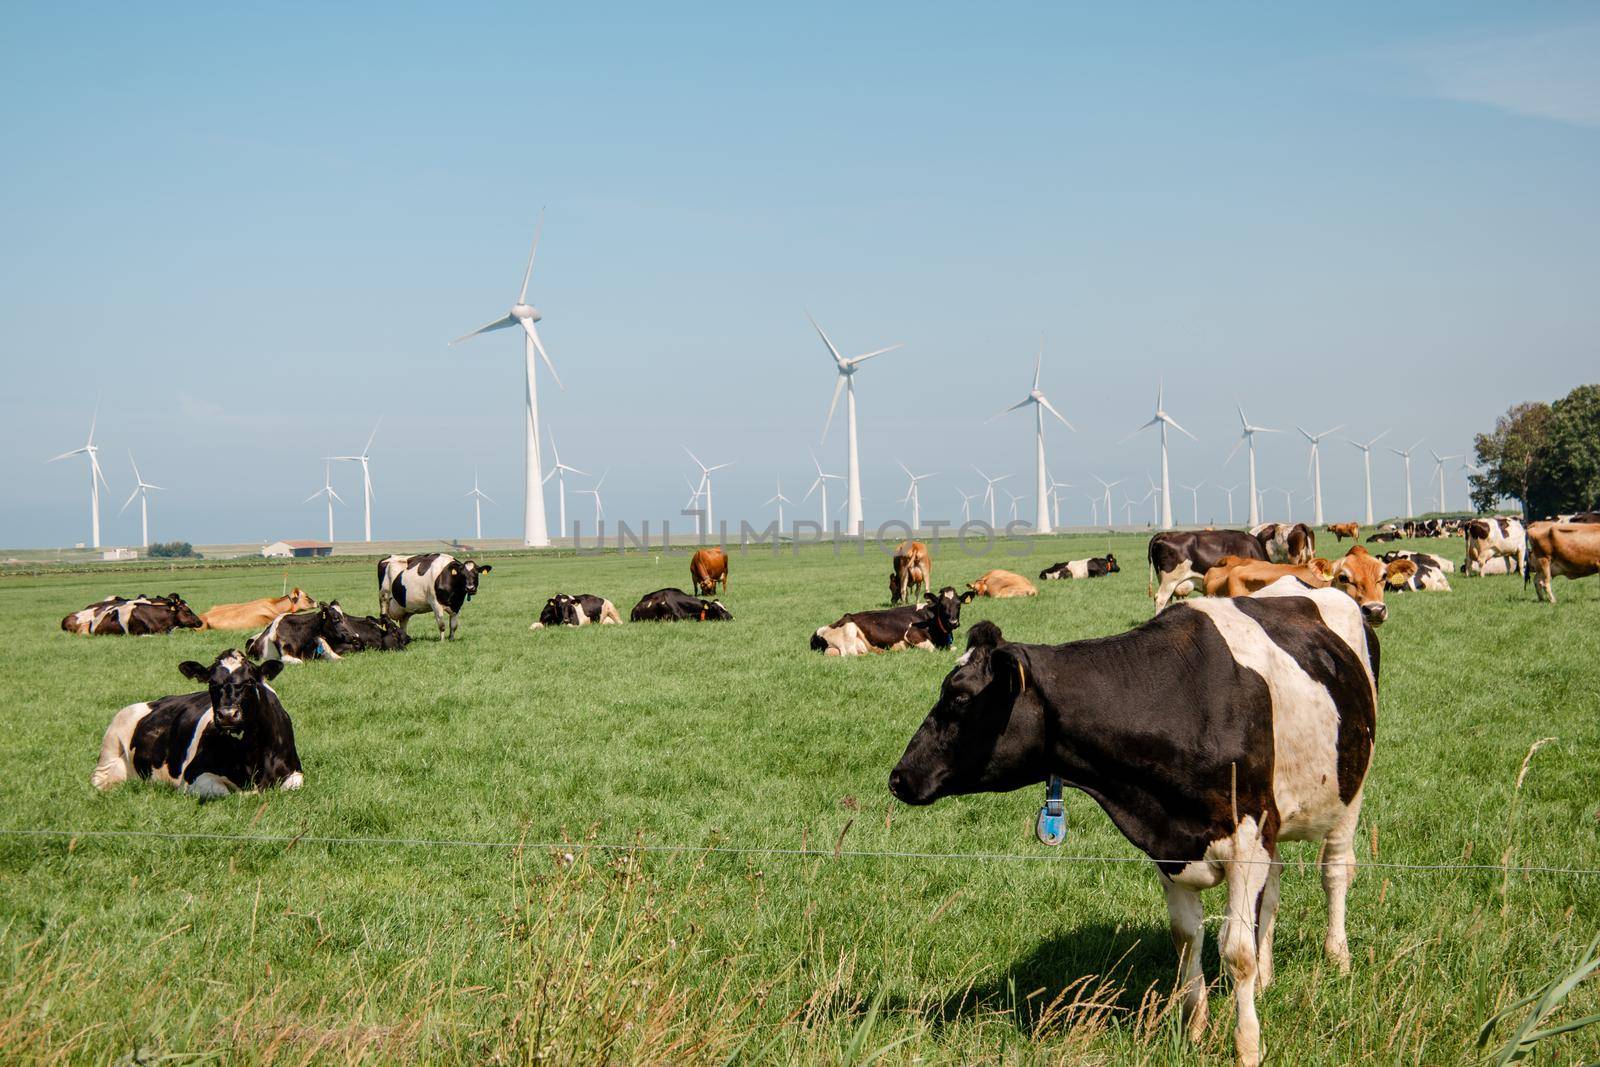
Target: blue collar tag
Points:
(1051, 826)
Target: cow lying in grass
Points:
(308, 635)
(140, 616)
(254, 613)
(1209, 735)
(233, 735)
(564, 609)
(1236, 576)
(674, 605)
(1001, 585)
(372, 634)
(1093, 567)
(929, 625)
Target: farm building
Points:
(297, 549)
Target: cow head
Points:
(391, 638)
(300, 600)
(713, 611)
(978, 587)
(472, 572)
(945, 607)
(559, 610)
(182, 614)
(1364, 577)
(979, 737)
(335, 627)
(1111, 564)
(236, 687)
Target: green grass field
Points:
(121, 950)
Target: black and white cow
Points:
(1494, 538)
(1209, 735)
(1429, 558)
(1179, 560)
(433, 581)
(674, 605)
(1430, 573)
(564, 609)
(929, 625)
(372, 634)
(295, 637)
(1093, 567)
(234, 735)
(137, 616)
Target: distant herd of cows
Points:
(1225, 725)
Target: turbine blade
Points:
(307, 500)
(1024, 402)
(335, 494)
(533, 335)
(98, 473)
(1057, 414)
(1038, 363)
(1174, 424)
(1378, 438)
(811, 490)
(1236, 446)
(838, 387)
(498, 324)
(522, 296)
(837, 358)
(129, 501)
(64, 455)
(854, 360)
(489, 498)
(135, 464)
(372, 436)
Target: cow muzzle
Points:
(1374, 612)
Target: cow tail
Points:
(1150, 554)
(1527, 559)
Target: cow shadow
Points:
(1114, 964)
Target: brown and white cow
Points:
(1180, 559)
(707, 568)
(1495, 536)
(1287, 542)
(1002, 585)
(912, 572)
(1341, 530)
(1571, 550)
(253, 613)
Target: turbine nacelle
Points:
(526, 313)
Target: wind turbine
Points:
(1439, 462)
(1316, 469)
(1406, 455)
(821, 483)
(559, 473)
(847, 382)
(534, 533)
(1127, 508)
(1015, 499)
(695, 492)
(96, 478)
(705, 483)
(594, 491)
(1194, 492)
(1055, 500)
(988, 490)
(780, 500)
(1155, 514)
(142, 491)
(1366, 457)
(366, 473)
(1247, 436)
(1163, 420)
(913, 496)
(1094, 508)
(1041, 404)
(966, 503)
(1107, 487)
(1229, 490)
(328, 491)
(478, 497)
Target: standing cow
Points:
(433, 581)
(1493, 537)
(707, 568)
(912, 572)
(1571, 550)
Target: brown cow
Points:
(1002, 584)
(913, 570)
(1569, 549)
(1364, 576)
(254, 614)
(708, 567)
(1236, 576)
(1341, 530)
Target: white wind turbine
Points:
(1229, 489)
(1128, 506)
(988, 490)
(594, 491)
(779, 499)
(693, 505)
(1055, 500)
(705, 486)
(1041, 404)
(1094, 508)
(1163, 420)
(1194, 492)
(534, 532)
(822, 484)
(478, 497)
(366, 474)
(1406, 455)
(142, 491)
(1155, 509)
(327, 490)
(1247, 436)
(96, 478)
(913, 496)
(966, 503)
(559, 472)
(1438, 472)
(847, 382)
(1015, 500)
(1366, 457)
(1316, 469)
(1107, 486)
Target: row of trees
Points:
(1547, 456)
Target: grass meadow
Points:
(125, 950)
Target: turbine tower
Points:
(1041, 404)
(966, 503)
(1094, 508)
(1316, 469)
(779, 499)
(1366, 458)
(594, 491)
(478, 497)
(1163, 420)
(988, 491)
(559, 472)
(822, 484)
(1438, 471)
(914, 497)
(847, 382)
(327, 490)
(142, 491)
(1194, 492)
(1247, 436)
(366, 473)
(705, 487)
(1406, 455)
(1229, 489)
(96, 478)
(1107, 486)
(534, 533)
(1055, 501)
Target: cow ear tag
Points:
(1051, 825)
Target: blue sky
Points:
(254, 232)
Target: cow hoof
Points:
(294, 781)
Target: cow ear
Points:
(198, 672)
(269, 669)
(969, 596)
(1009, 669)
(486, 568)
(1399, 571)
(984, 635)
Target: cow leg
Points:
(441, 617)
(1541, 584)
(1170, 580)
(1248, 865)
(1266, 923)
(1338, 860)
(325, 650)
(1187, 918)
(208, 786)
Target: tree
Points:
(172, 550)
(1566, 474)
(1509, 456)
